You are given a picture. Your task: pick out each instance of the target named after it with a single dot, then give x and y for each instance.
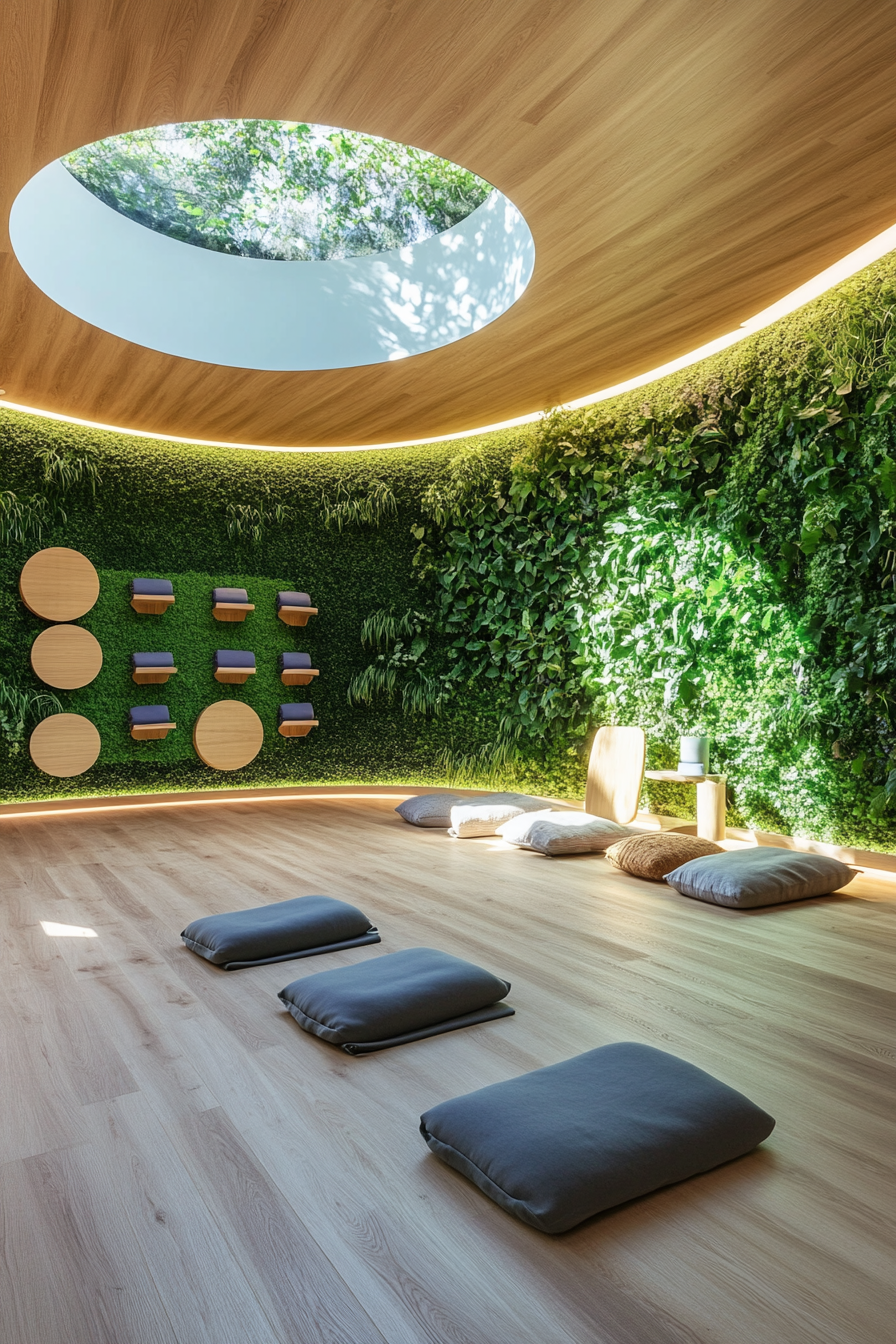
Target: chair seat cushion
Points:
(152, 587)
(400, 997)
(147, 714)
(483, 816)
(557, 1146)
(152, 659)
(763, 875)
(432, 810)
(291, 662)
(656, 853)
(293, 600)
(234, 658)
(302, 927)
(293, 712)
(231, 595)
(555, 833)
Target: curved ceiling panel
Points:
(682, 165)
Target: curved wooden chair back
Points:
(616, 773)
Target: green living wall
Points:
(715, 553)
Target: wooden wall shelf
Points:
(298, 676)
(297, 727)
(234, 676)
(145, 732)
(296, 615)
(151, 604)
(152, 676)
(232, 611)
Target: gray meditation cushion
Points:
(302, 927)
(429, 809)
(152, 587)
(152, 659)
(400, 997)
(230, 595)
(764, 875)
(149, 714)
(234, 658)
(557, 1146)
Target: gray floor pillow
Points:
(429, 809)
(558, 1145)
(764, 875)
(403, 996)
(482, 816)
(555, 833)
(302, 927)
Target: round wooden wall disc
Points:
(59, 584)
(66, 656)
(64, 745)
(228, 735)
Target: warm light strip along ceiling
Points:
(851, 264)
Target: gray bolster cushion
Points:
(302, 927)
(152, 587)
(233, 658)
(559, 1145)
(148, 714)
(292, 662)
(152, 659)
(231, 595)
(400, 997)
(765, 875)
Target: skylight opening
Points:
(278, 190)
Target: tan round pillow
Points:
(658, 852)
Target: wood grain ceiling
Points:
(681, 163)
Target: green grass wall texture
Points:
(712, 553)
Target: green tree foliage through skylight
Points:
(277, 190)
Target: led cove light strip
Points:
(856, 261)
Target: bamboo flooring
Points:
(179, 1162)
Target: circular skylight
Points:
(195, 240)
(278, 190)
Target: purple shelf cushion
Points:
(294, 662)
(148, 714)
(230, 595)
(233, 658)
(293, 712)
(293, 600)
(152, 587)
(152, 659)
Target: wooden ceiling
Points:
(681, 163)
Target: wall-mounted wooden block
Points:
(151, 597)
(298, 676)
(296, 727)
(144, 732)
(295, 608)
(231, 604)
(150, 722)
(152, 669)
(234, 666)
(234, 676)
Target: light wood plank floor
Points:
(181, 1163)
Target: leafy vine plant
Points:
(20, 709)
(371, 505)
(401, 642)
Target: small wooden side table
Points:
(711, 799)
(66, 656)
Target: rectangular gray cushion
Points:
(291, 662)
(152, 587)
(231, 595)
(558, 1145)
(293, 600)
(302, 927)
(152, 659)
(293, 712)
(765, 875)
(234, 658)
(429, 809)
(148, 714)
(403, 996)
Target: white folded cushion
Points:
(563, 832)
(483, 816)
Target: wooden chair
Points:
(296, 720)
(296, 669)
(150, 722)
(231, 604)
(152, 668)
(234, 666)
(295, 608)
(151, 597)
(616, 773)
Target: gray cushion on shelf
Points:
(302, 927)
(557, 1146)
(429, 809)
(234, 658)
(152, 587)
(152, 659)
(291, 662)
(400, 997)
(483, 816)
(303, 711)
(555, 833)
(149, 714)
(764, 875)
(293, 600)
(230, 595)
